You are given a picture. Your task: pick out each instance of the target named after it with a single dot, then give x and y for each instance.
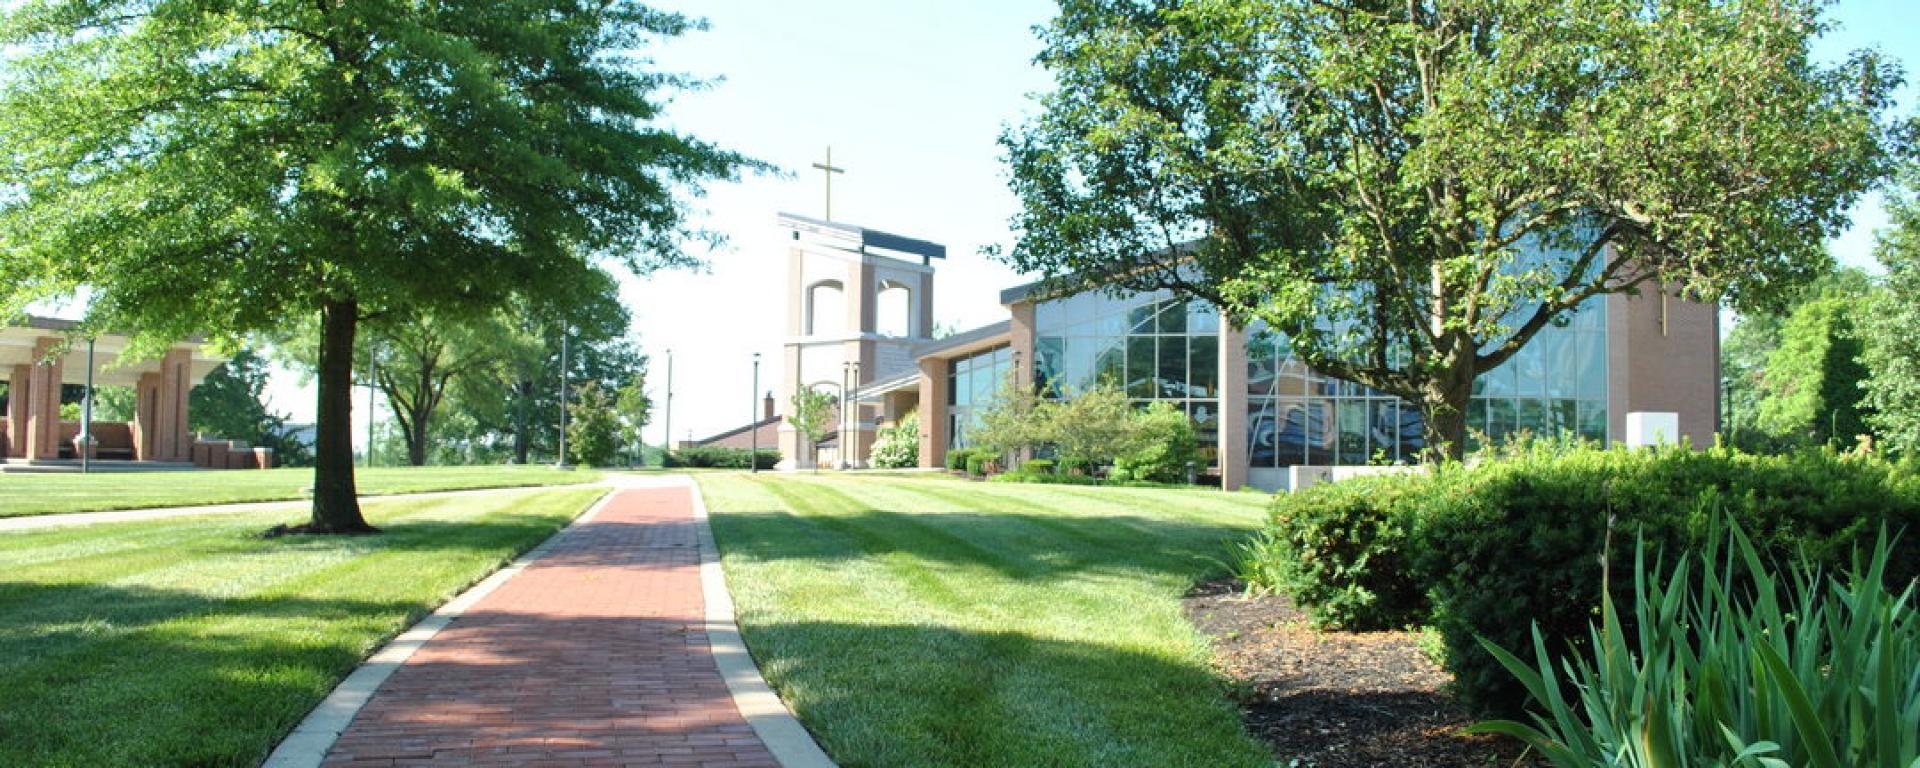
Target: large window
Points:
(1152, 345)
(1556, 384)
(973, 384)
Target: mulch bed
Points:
(1338, 699)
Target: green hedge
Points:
(1505, 544)
(1342, 551)
(719, 457)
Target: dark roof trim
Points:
(1069, 285)
(970, 338)
(861, 238)
(738, 431)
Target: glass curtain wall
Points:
(973, 384)
(1295, 416)
(1152, 345)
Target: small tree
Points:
(1892, 329)
(1015, 422)
(635, 411)
(1094, 426)
(1812, 381)
(593, 426)
(1161, 448)
(812, 409)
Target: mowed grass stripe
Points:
(205, 644)
(927, 621)
(52, 494)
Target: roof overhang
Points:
(962, 344)
(848, 237)
(18, 343)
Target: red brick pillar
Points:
(19, 385)
(43, 403)
(146, 419)
(171, 439)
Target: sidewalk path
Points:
(31, 522)
(597, 653)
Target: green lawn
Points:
(51, 494)
(191, 641)
(922, 621)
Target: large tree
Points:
(1411, 190)
(1812, 381)
(1893, 344)
(228, 166)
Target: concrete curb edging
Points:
(776, 726)
(306, 746)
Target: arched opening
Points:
(826, 308)
(893, 310)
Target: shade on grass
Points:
(191, 641)
(49, 494)
(920, 622)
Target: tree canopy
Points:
(1892, 326)
(1411, 191)
(225, 167)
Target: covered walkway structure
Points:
(38, 357)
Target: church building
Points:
(860, 325)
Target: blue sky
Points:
(911, 94)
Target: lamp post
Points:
(667, 433)
(852, 437)
(86, 417)
(373, 390)
(753, 418)
(562, 463)
(846, 373)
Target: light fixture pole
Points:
(86, 417)
(853, 418)
(373, 390)
(562, 463)
(753, 418)
(841, 429)
(667, 433)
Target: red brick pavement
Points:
(593, 655)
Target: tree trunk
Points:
(523, 391)
(1443, 404)
(336, 502)
(417, 441)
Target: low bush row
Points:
(1494, 549)
(721, 458)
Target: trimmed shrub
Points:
(1023, 476)
(964, 459)
(1037, 466)
(1073, 467)
(717, 457)
(1343, 552)
(1519, 542)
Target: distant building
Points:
(861, 312)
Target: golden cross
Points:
(828, 169)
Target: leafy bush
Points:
(1809, 672)
(1037, 466)
(1342, 551)
(961, 459)
(1023, 476)
(713, 456)
(898, 446)
(976, 465)
(593, 431)
(1520, 541)
(1073, 466)
(1160, 448)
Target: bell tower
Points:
(858, 302)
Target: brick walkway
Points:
(594, 655)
